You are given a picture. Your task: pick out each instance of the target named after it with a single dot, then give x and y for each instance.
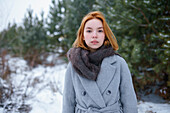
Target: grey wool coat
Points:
(112, 92)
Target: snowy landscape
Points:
(35, 34)
(43, 87)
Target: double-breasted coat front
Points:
(112, 92)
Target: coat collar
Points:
(106, 73)
(95, 89)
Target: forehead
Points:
(93, 23)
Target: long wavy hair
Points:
(110, 39)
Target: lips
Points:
(94, 42)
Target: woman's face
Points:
(94, 34)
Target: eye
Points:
(89, 31)
(100, 31)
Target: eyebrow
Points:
(91, 28)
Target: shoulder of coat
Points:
(70, 66)
(112, 59)
(120, 59)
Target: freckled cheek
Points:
(87, 36)
(102, 37)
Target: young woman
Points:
(97, 79)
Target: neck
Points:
(92, 50)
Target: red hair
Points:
(110, 39)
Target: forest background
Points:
(140, 26)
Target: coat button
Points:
(83, 93)
(108, 92)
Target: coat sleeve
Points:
(127, 93)
(68, 93)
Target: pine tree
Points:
(55, 25)
(8, 38)
(66, 16)
(142, 30)
(33, 38)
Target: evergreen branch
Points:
(144, 17)
(125, 18)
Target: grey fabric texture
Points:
(112, 92)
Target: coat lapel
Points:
(106, 74)
(93, 91)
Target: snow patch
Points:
(48, 92)
(149, 107)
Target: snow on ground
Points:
(49, 98)
(149, 107)
(48, 101)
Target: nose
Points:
(94, 34)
